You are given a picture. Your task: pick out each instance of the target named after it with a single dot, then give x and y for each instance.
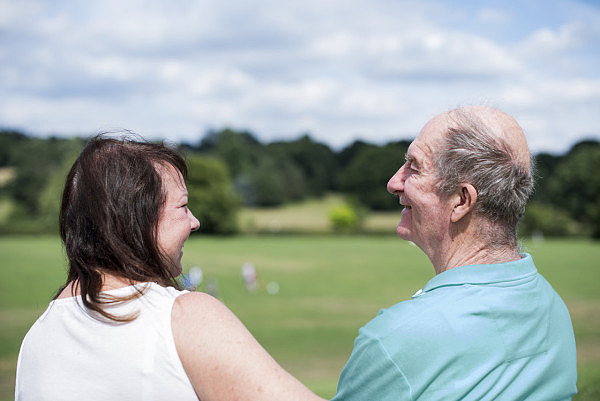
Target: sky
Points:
(338, 70)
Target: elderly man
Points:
(488, 326)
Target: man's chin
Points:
(403, 232)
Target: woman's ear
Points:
(465, 201)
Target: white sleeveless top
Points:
(69, 355)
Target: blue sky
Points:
(339, 70)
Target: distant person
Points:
(120, 329)
(250, 276)
(488, 326)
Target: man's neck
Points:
(471, 250)
(476, 257)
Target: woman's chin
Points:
(177, 266)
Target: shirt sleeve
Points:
(371, 374)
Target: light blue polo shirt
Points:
(478, 332)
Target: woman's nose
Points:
(195, 224)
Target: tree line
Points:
(233, 169)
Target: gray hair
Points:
(472, 153)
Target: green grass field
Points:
(329, 287)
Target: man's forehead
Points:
(419, 155)
(427, 141)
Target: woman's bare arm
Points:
(223, 360)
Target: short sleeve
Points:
(370, 374)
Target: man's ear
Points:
(465, 201)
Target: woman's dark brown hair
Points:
(109, 216)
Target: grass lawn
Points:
(329, 286)
(311, 216)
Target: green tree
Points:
(36, 160)
(272, 174)
(345, 218)
(547, 220)
(10, 141)
(316, 161)
(291, 175)
(346, 155)
(239, 150)
(50, 196)
(256, 176)
(264, 185)
(368, 172)
(272, 182)
(545, 165)
(211, 197)
(575, 185)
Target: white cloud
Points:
(494, 16)
(339, 69)
(547, 41)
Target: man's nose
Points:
(396, 183)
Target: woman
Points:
(120, 329)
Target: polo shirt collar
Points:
(484, 273)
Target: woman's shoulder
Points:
(222, 358)
(191, 307)
(198, 318)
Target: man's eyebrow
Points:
(410, 159)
